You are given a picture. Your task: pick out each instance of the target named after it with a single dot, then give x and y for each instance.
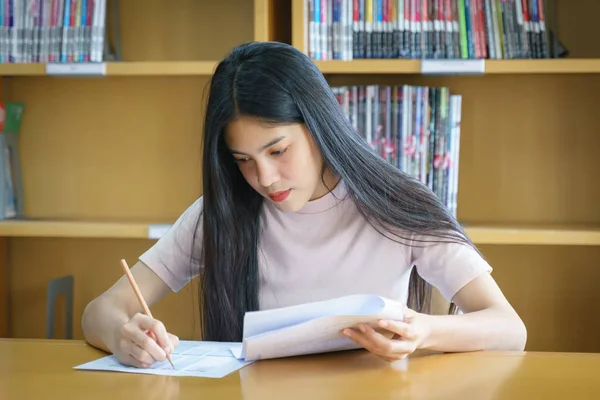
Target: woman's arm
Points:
(114, 318)
(488, 321)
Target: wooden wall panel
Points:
(94, 263)
(4, 289)
(159, 30)
(555, 290)
(272, 20)
(577, 26)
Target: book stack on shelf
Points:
(430, 29)
(415, 128)
(52, 31)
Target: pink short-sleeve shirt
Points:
(325, 250)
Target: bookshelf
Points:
(526, 193)
(131, 68)
(504, 67)
(567, 235)
(33, 69)
(161, 68)
(355, 67)
(124, 153)
(77, 229)
(105, 157)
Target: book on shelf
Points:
(427, 29)
(415, 128)
(11, 188)
(52, 31)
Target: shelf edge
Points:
(480, 235)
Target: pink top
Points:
(323, 251)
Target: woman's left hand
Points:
(406, 336)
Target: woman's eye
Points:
(279, 152)
(241, 160)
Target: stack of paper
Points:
(290, 331)
(313, 327)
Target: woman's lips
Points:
(280, 196)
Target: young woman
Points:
(296, 208)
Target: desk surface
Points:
(36, 369)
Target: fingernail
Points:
(346, 332)
(363, 328)
(383, 324)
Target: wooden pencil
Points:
(139, 296)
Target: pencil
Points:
(136, 289)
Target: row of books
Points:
(415, 128)
(426, 29)
(58, 31)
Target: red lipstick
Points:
(280, 196)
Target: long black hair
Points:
(277, 83)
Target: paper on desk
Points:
(191, 358)
(313, 327)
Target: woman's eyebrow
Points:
(271, 143)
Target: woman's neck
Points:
(326, 185)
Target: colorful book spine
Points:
(51, 31)
(415, 128)
(422, 29)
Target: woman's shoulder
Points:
(190, 217)
(195, 208)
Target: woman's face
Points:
(281, 162)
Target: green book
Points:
(464, 49)
(10, 117)
(11, 189)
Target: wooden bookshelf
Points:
(354, 67)
(127, 68)
(506, 67)
(481, 234)
(23, 69)
(527, 172)
(161, 68)
(76, 229)
(369, 67)
(547, 66)
(534, 235)
(98, 153)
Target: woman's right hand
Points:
(142, 341)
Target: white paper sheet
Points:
(191, 358)
(313, 327)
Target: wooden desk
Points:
(40, 369)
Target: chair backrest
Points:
(57, 287)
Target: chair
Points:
(57, 287)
